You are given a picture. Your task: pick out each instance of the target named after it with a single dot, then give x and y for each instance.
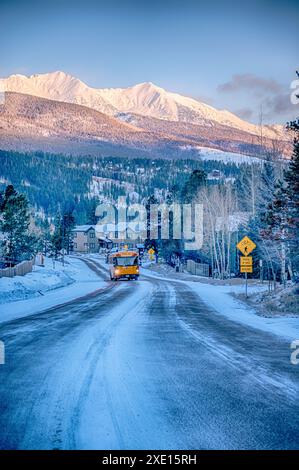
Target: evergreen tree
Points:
(62, 237)
(17, 244)
(280, 221)
(68, 223)
(241, 186)
(274, 230)
(258, 227)
(56, 243)
(9, 191)
(196, 181)
(291, 177)
(45, 242)
(91, 218)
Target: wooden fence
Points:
(198, 269)
(19, 269)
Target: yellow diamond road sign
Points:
(246, 246)
(151, 251)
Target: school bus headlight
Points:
(117, 271)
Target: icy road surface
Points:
(145, 364)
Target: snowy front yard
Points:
(37, 283)
(46, 287)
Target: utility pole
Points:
(261, 271)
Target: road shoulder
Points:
(222, 298)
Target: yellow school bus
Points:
(124, 264)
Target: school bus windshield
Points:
(126, 260)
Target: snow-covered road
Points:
(145, 364)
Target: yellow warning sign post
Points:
(151, 253)
(246, 246)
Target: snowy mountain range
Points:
(144, 107)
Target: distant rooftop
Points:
(83, 228)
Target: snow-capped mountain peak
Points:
(58, 86)
(145, 99)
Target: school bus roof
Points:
(123, 253)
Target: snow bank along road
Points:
(145, 364)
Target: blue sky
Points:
(234, 55)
